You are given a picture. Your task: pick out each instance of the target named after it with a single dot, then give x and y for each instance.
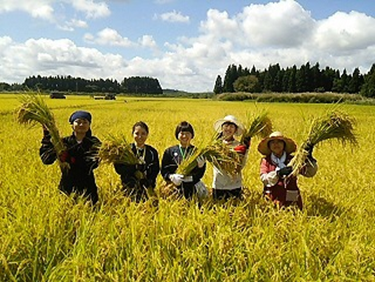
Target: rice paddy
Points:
(46, 236)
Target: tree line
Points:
(66, 84)
(306, 78)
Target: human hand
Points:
(247, 141)
(309, 148)
(176, 179)
(141, 167)
(64, 156)
(201, 161)
(285, 171)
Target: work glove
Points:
(247, 141)
(285, 171)
(309, 148)
(176, 179)
(201, 161)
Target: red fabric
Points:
(64, 156)
(277, 193)
(241, 149)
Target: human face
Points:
(81, 126)
(140, 136)
(185, 137)
(276, 146)
(229, 129)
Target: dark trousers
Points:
(219, 194)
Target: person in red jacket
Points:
(279, 186)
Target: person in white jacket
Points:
(227, 186)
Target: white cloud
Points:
(74, 23)
(55, 57)
(345, 32)
(90, 8)
(44, 9)
(173, 17)
(111, 37)
(37, 8)
(147, 41)
(259, 35)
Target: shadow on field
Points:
(319, 206)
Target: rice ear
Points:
(261, 125)
(334, 125)
(32, 111)
(116, 149)
(214, 152)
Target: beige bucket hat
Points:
(232, 119)
(290, 145)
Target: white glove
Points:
(201, 160)
(176, 179)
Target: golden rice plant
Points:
(334, 125)
(34, 110)
(116, 149)
(217, 153)
(261, 125)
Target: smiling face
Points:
(140, 136)
(229, 129)
(277, 146)
(184, 137)
(81, 126)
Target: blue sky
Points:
(184, 44)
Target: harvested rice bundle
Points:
(216, 153)
(34, 110)
(116, 149)
(334, 125)
(261, 125)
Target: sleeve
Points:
(47, 151)
(124, 170)
(269, 178)
(91, 158)
(168, 166)
(198, 173)
(310, 168)
(154, 167)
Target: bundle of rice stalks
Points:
(116, 149)
(217, 153)
(34, 110)
(261, 125)
(334, 125)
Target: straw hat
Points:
(232, 119)
(290, 145)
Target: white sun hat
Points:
(232, 119)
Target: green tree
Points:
(368, 88)
(218, 88)
(247, 83)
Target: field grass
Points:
(44, 236)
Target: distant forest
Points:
(304, 79)
(295, 80)
(66, 84)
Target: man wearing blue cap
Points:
(80, 154)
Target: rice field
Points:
(45, 236)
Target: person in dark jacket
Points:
(138, 179)
(80, 154)
(172, 158)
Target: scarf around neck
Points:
(280, 162)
